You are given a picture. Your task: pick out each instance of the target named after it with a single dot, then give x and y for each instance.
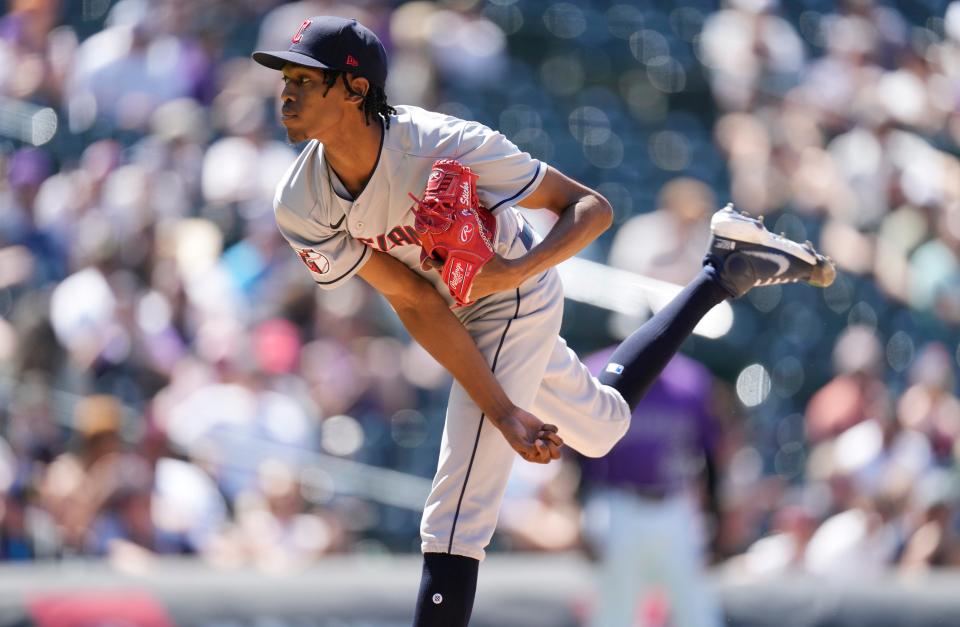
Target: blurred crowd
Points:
(171, 381)
(849, 119)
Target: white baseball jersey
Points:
(516, 330)
(334, 234)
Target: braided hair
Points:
(374, 102)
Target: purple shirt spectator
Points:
(671, 430)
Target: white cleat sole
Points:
(730, 224)
(736, 235)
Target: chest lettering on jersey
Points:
(397, 236)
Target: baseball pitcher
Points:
(473, 284)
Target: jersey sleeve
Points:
(331, 255)
(505, 174)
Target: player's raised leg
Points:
(743, 254)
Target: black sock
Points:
(640, 358)
(447, 588)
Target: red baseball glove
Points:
(454, 229)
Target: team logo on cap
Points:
(299, 34)
(351, 61)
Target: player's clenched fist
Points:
(532, 439)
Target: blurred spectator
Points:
(668, 243)
(782, 551)
(643, 513)
(755, 54)
(859, 542)
(930, 406)
(275, 529)
(96, 492)
(156, 67)
(16, 541)
(540, 511)
(933, 542)
(35, 54)
(856, 393)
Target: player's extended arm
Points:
(584, 215)
(431, 323)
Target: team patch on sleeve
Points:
(315, 261)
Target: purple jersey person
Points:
(642, 514)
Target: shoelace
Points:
(429, 216)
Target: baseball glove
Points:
(454, 229)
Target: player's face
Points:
(308, 110)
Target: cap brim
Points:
(275, 60)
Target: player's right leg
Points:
(742, 255)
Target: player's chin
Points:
(294, 135)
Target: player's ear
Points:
(359, 87)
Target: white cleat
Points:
(747, 255)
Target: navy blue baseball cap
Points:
(332, 43)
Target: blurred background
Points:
(172, 383)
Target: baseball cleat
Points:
(747, 255)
